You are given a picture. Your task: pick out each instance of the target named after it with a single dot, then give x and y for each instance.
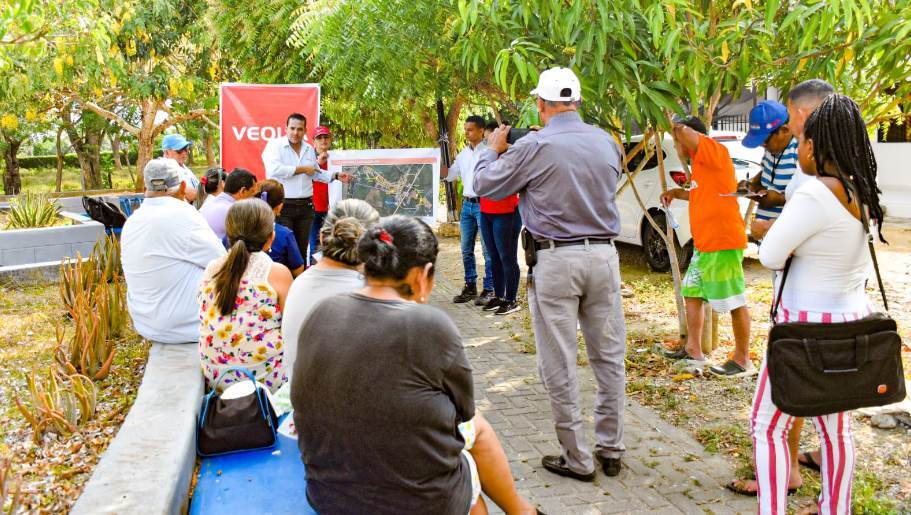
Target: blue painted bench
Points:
(268, 481)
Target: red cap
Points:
(321, 130)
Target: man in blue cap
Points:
(177, 147)
(769, 129)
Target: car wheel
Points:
(655, 249)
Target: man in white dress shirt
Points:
(292, 161)
(165, 247)
(470, 217)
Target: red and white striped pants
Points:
(770, 427)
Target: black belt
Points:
(473, 200)
(302, 200)
(549, 244)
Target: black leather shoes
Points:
(557, 465)
(611, 466)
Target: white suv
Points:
(634, 227)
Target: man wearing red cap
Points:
(322, 139)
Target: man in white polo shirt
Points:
(165, 247)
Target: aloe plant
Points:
(76, 277)
(79, 275)
(31, 210)
(90, 350)
(59, 403)
(106, 258)
(10, 488)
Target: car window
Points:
(634, 163)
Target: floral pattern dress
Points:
(250, 336)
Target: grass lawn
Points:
(44, 179)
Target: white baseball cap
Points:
(558, 84)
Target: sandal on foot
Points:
(737, 486)
(805, 459)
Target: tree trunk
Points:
(671, 248)
(88, 150)
(115, 150)
(710, 108)
(87, 145)
(12, 181)
(59, 183)
(143, 156)
(145, 141)
(210, 149)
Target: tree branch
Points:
(110, 115)
(173, 119)
(209, 122)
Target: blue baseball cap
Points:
(175, 142)
(765, 119)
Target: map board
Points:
(393, 181)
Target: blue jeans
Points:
(318, 219)
(469, 224)
(501, 235)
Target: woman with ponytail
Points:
(241, 298)
(210, 186)
(383, 393)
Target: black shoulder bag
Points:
(818, 369)
(233, 425)
(107, 213)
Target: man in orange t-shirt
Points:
(715, 273)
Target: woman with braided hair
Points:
(241, 299)
(821, 229)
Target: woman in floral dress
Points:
(240, 302)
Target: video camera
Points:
(515, 134)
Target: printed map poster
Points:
(393, 181)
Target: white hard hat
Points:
(558, 84)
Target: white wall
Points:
(894, 176)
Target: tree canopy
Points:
(144, 67)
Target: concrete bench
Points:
(27, 246)
(148, 466)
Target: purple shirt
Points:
(215, 212)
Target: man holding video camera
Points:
(566, 175)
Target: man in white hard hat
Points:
(566, 175)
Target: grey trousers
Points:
(581, 283)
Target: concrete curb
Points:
(35, 273)
(149, 464)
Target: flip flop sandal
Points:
(808, 461)
(735, 487)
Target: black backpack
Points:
(104, 212)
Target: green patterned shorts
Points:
(718, 278)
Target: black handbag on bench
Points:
(245, 423)
(818, 369)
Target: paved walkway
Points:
(665, 470)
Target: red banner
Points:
(252, 114)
